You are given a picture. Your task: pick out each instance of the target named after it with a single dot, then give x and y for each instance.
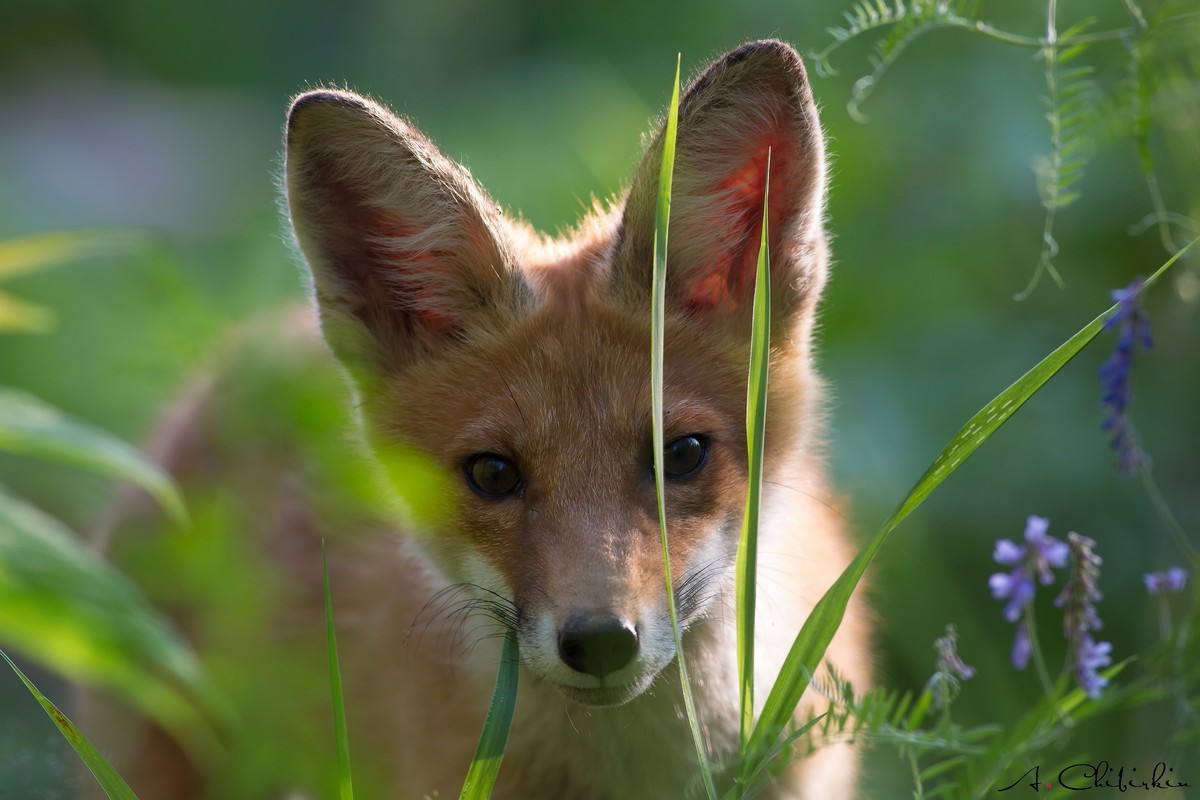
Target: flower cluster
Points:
(1162, 582)
(1039, 553)
(1036, 559)
(1133, 328)
(1078, 601)
(951, 669)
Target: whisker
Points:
(457, 605)
(836, 510)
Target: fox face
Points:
(521, 364)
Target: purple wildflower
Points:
(951, 669)
(1134, 329)
(1036, 557)
(948, 660)
(1022, 647)
(1078, 601)
(1088, 659)
(1162, 582)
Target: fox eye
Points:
(492, 476)
(684, 457)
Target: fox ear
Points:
(402, 244)
(753, 101)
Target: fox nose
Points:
(597, 644)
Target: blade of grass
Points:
(345, 780)
(821, 625)
(756, 420)
(481, 776)
(657, 319)
(30, 427)
(112, 783)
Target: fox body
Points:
(517, 367)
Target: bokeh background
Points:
(165, 119)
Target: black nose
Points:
(597, 644)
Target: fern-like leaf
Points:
(905, 23)
(1071, 100)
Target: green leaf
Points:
(756, 421)
(342, 739)
(818, 630)
(30, 427)
(19, 315)
(114, 786)
(658, 312)
(45, 250)
(62, 605)
(481, 776)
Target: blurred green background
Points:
(166, 119)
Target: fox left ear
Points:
(753, 101)
(407, 253)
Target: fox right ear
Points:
(750, 108)
(402, 244)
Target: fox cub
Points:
(516, 368)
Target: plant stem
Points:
(1035, 647)
(1168, 519)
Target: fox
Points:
(514, 368)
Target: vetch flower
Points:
(1088, 659)
(948, 660)
(1016, 587)
(1133, 328)
(1040, 553)
(951, 669)
(1171, 580)
(1078, 600)
(1022, 647)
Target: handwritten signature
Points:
(1102, 775)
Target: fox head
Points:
(521, 364)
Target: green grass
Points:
(112, 783)
(756, 423)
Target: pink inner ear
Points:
(417, 271)
(727, 280)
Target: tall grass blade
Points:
(657, 319)
(485, 766)
(345, 780)
(756, 421)
(821, 625)
(30, 427)
(112, 783)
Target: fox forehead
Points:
(571, 378)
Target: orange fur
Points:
(466, 333)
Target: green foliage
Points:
(948, 759)
(35, 253)
(63, 605)
(68, 609)
(821, 625)
(485, 765)
(905, 23)
(114, 786)
(29, 427)
(1072, 97)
